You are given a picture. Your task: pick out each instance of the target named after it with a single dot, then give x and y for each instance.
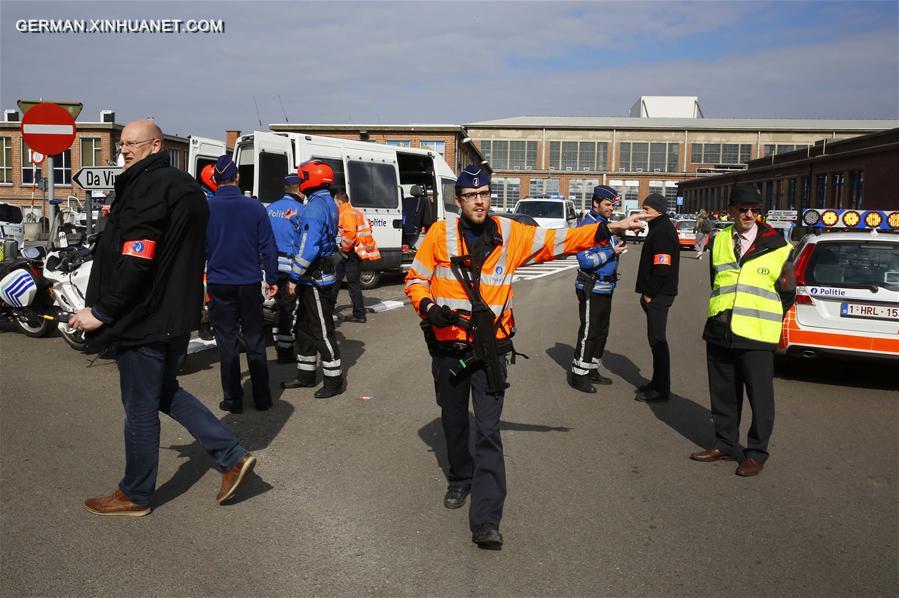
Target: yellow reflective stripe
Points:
(758, 314)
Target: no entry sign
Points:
(48, 128)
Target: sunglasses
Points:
(747, 210)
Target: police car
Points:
(847, 286)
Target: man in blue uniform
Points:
(239, 237)
(311, 279)
(594, 285)
(285, 215)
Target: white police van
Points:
(376, 177)
(201, 152)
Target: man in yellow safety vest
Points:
(753, 285)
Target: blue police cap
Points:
(225, 169)
(601, 192)
(291, 180)
(472, 177)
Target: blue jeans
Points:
(147, 376)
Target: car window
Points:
(541, 209)
(834, 263)
(686, 225)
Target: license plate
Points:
(874, 312)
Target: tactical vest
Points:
(747, 291)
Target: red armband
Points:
(661, 259)
(144, 249)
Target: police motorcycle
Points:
(68, 269)
(26, 296)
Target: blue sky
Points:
(457, 62)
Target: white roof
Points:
(682, 124)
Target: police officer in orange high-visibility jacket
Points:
(356, 245)
(480, 253)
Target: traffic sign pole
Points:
(52, 210)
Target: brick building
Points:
(856, 173)
(94, 145)
(532, 156)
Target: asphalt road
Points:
(603, 500)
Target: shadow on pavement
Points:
(877, 375)
(432, 435)
(689, 419)
(561, 354)
(254, 429)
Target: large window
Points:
(580, 191)
(91, 152)
(62, 169)
(783, 148)
(509, 155)
(629, 189)
(175, 158)
(435, 146)
(720, 153)
(648, 157)
(578, 155)
(400, 142)
(5, 160)
(543, 187)
(372, 185)
(506, 191)
(31, 172)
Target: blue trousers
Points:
(147, 375)
(234, 309)
(485, 473)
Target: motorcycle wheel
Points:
(33, 326)
(75, 339)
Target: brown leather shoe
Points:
(116, 504)
(710, 455)
(232, 478)
(750, 467)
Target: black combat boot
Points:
(581, 383)
(304, 379)
(334, 385)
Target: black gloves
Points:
(442, 316)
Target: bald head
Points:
(139, 139)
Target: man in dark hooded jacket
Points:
(143, 299)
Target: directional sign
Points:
(48, 128)
(100, 178)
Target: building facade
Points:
(857, 173)
(534, 156)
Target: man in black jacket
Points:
(657, 285)
(144, 298)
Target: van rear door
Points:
(373, 185)
(202, 151)
(263, 160)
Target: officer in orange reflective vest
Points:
(356, 244)
(461, 275)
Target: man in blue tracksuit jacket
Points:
(239, 237)
(594, 285)
(285, 216)
(311, 279)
